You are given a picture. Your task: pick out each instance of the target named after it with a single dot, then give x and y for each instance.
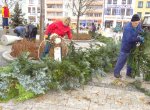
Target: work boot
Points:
(118, 76)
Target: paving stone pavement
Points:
(87, 98)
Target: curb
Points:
(6, 55)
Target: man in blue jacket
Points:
(20, 31)
(129, 41)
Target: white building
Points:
(118, 12)
(33, 11)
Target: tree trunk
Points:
(78, 18)
(42, 17)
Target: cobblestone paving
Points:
(89, 98)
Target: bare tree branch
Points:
(75, 6)
(80, 7)
(11, 3)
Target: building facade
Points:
(53, 10)
(33, 11)
(142, 7)
(56, 9)
(118, 12)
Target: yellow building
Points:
(0, 15)
(142, 7)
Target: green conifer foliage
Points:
(139, 59)
(17, 16)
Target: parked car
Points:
(146, 22)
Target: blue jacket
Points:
(130, 38)
(21, 31)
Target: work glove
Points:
(45, 36)
(141, 39)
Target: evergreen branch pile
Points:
(139, 59)
(33, 78)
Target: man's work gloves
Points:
(141, 39)
(45, 36)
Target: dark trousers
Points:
(120, 64)
(5, 22)
(46, 49)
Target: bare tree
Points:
(81, 7)
(11, 3)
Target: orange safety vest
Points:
(5, 12)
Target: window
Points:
(114, 1)
(97, 14)
(122, 11)
(146, 20)
(96, 7)
(123, 1)
(108, 11)
(33, 10)
(140, 14)
(147, 13)
(90, 14)
(54, 6)
(109, 1)
(118, 11)
(55, 14)
(31, 1)
(140, 4)
(148, 4)
(59, 14)
(129, 2)
(129, 12)
(66, 14)
(39, 1)
(113, 11)
(38, 10)
(29, 9)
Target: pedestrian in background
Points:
(5, 16)
(93, 30)
(31, 32)
(129, 40)
(20, 31)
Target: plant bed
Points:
(33, 47)
(81, 36)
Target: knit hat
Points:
(135, 17)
